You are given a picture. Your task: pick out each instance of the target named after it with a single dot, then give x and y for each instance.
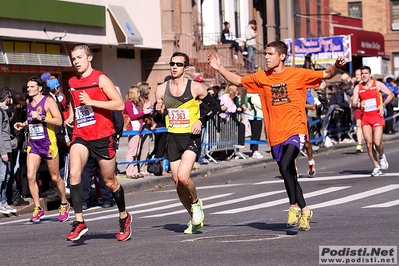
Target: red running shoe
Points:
(78, 229)
(125, 228)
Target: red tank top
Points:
(372, 98)
(91, 123)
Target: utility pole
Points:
(293, 32)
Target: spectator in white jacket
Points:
(250, 35)
(256, 121)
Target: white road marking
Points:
(164, 207)
(354, 197)
(280, 201)
(222, 203)
(328, 178)
(384, 205)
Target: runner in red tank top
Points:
(94, 96)
(368, 91)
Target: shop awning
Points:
(364, 43)
(127, 33)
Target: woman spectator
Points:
(229, 108)
(136, 113)
(146, 140)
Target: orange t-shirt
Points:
(283, 98)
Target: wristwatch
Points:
(42, 118)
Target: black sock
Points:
(119, 197)
(77, 197)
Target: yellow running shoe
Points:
(198, 212)
(359, 148)
(293, 217)
(304, 224)
(192, 229)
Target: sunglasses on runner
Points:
(179, 64)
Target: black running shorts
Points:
(99, 149)
(177, 144)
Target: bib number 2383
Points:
(84, 116)
(179, 117)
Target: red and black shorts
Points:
(99, 149)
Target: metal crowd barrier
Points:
(222, 135)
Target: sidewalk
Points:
(151, 181)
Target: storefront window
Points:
(22, 47)
(41, 47)
(8, 46)
(26, 47)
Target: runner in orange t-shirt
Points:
(283, 95)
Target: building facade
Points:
(133, 40)
(39, 40)
(381, 16)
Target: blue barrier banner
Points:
(145, 161)
(144, 132)
(324, 50)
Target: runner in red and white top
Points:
(367, 96)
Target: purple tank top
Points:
(39, 132)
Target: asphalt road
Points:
(245, 221)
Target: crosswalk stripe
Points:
(164, 207)
(210, 187)
(93, 211)
(225, 202)
(280, 201)
(326, 178)
(355, 196)
(384, 205)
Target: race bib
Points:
(179, 118)
(36, 131)
(370, 105)
(84, 116)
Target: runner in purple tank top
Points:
(43, 114)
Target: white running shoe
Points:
(383, 162)
(198, 212)
(9, 208)
(257, 155)
(3, 209)
(376, 171)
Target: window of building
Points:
(355, 9)
(395, 14)
(125, 53)
(396, 64)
